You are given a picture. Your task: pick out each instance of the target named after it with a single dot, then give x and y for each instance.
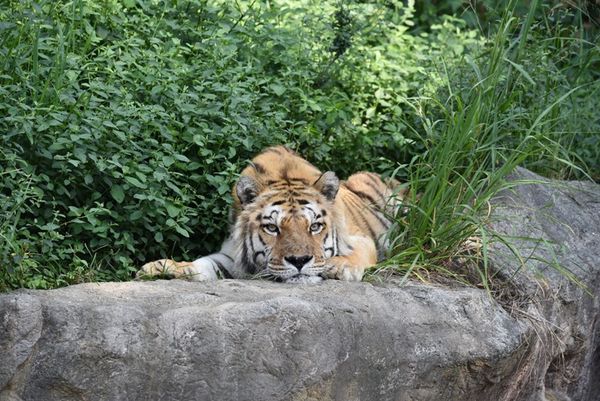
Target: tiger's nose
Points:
(298, 261)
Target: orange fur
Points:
(291, 221)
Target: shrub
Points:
(125, 123)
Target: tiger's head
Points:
(286, 228)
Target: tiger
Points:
(292, 223)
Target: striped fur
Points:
(293, 223)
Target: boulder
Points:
(259, 340)
(555, 227)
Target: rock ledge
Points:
(258, 340)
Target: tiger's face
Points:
(288, 232)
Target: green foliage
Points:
(509, 115)
(125, 122)
(486, 13)
(561, 60)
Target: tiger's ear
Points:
(328, 184)
(246, 189)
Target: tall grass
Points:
(470, 151)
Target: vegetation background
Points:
(124, 123)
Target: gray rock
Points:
(20, 329)
(254, 340)
(258, 340)
(564, 219)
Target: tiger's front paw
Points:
(339, 269)
(199, 270)
(166, 267)
(351, 273)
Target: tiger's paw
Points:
(343, 271)
(199, 270)
(162, 267)
(350, 273)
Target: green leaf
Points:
(50, 227)
(182, 231)
(181, 158)
(172, 210)
(135, 182)
(520, 68)
(117, 193)
(168, 160)
(277, 89)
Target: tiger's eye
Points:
(271, 228)
(315, 227)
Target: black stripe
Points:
(363, 195)
(250, 237)
(224, 254)
(302, 190)
(375, 178)
(302, 180)
(259, 168)
(325, 247)
(359, 218)
(255, 253)
(314, 214)
(247, 265)
(383, 221)
(277, 203)
(376, 189)
(222, 268)
(275, 150)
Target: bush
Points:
(126, 122)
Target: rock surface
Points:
(564, 220)
(258, 340)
